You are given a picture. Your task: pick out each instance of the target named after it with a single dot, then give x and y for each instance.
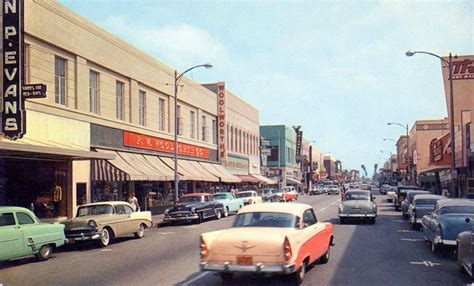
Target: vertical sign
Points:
(12, 105)
(221, 122)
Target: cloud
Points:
(175, 45)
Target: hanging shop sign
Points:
(221, 121)
(14, 91)
(162, 145)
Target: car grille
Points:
(79, 232)
(180, 214)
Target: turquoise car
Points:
(230, 202)
(22, 234)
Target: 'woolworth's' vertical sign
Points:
(12, 107)
(221, 122)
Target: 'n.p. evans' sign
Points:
(12, 107)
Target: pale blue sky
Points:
(338, 68)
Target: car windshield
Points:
(353, 196)
(266, 219)
(191, 199)
(332, 186)
(220, 197)
(457, 210)
(95, 210)
(244, 195)
(425, 202)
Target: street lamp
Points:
(176, 82)
(388, 139)
(408, 145)
(449, 62)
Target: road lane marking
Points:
(169, 232)
(196, 278)
(405, 230)
(412, 239)
(398, 221)
(427, 263)
(106, 250)
(323, 209)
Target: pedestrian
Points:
(134, 202)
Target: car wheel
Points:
(218, 214)
(200, 218)
(140, 232)
(44, 252)
(342, 220)
(226, 277)
(104, 238)
(325, 258)
(226, 212)
(298, 276)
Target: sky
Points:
(337, 68)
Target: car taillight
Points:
(203, 247)
(287, 249)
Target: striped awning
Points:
(102, 170)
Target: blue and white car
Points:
(231, 203)
(449, 218)
(421, 206)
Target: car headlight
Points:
(193, 210)
(167, 211)
(92, 224)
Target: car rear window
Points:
(220, 197)
(457, 210)
(265, 219)
(425, 202)
(6, 219)
(244, 195)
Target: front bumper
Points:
(257, 268)
(417, 221)
(357, 215)
(180, 217)
(73, 236)
(439, 240)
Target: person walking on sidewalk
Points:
(134, 202)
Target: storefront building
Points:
(106, 127)
(402, 157)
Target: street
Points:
(387, 253)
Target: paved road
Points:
(387, 253)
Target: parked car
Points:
(401, 195)
(269, 195)
(280, 195)
(357, 204)
(250, 197)
(290, 194)
(229, 201)
(364, 186)
(449, 218)
(409, 200)
(273, 238)
(317, 190)
(421, 206)
(195, 207)
(392, 194)
(465, 243)
(333, 190)
(105, 221)
(22, 234)
(384, 189)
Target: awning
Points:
(220, 172)
(249, 179)
(28, 151)
(264, 180)
(139, 162)
(102, 170)
(162, 167)
(196, 168)
(292, 181)
(435, 168)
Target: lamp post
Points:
(177, 78)
(408, 144)
(388, 139)
(449, 62)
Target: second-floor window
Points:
(191, 124)
(94, 91)
(214, 131)
(141, 107)
(119, 100)
(60, 80)
(204, 129)
(180, 120)
(161, 118)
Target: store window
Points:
(109, 191)
(119, 100)
(94, 91)
(59, 80)
(81, 193)
(141, 107)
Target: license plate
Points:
(244, 260)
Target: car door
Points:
(132, 224)
(121, 221)
(11, 237)
(234, 203)
(209, 206)
(33, 235)
(315, 234)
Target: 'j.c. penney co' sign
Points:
(12, 106)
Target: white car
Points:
(250, 197)
(392, 194)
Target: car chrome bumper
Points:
(71, 238)
(180, 218)
(257, 268)
(357, 215)
(438, 240)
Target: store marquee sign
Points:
(14, 93)
(162, 145)
(221, 122)
(463, 69)
(237, 166)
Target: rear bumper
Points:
(257, 268)
(357, 215)
(439, 240)
(168, 218)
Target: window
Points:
(161, 118)
(128, 210)
(191, 124)
(180, 120)
(119, 210)
(232, 138)
(240, 141)
(94, 91)
(60, 80)
(26, 64)
(141, 107)
(7, 219)
(309, 218)
(204, 129)
(24, 218)
(119, 100)
(214, 131)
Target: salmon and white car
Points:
(272, 238)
